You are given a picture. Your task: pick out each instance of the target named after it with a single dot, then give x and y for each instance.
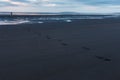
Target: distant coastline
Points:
(49, 13)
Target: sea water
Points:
(16, 20)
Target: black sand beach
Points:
(79, 50)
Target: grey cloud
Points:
(4, 4)
(99, 2)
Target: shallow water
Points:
(41, 19)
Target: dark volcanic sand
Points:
(81, 50)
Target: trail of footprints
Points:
(84, 48)
(66, 44)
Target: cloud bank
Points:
(85, 6)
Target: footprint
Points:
(99, 57)
(103, 58)
(106, 59)
(64, 44)
(85, 48)
(48, 37)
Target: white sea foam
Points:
(40, 22)
(6, 22)
(68, 21)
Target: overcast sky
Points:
(87, 6)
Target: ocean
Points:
(31, 18)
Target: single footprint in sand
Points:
(106, 59)
(99, 57)
(48, 37)
(103, 58)
(64, 44)
(85, 48)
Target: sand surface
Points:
(79, 50)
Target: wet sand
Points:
(79, 50)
